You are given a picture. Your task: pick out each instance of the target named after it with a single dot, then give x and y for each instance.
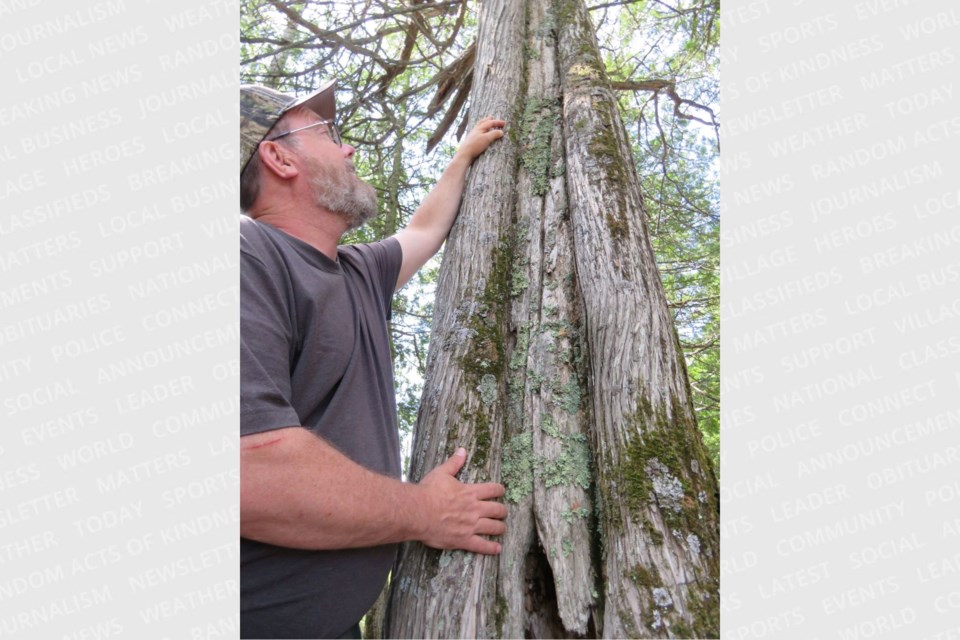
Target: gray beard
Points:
(343, 193)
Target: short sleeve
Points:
(265, 348)
(383, 260)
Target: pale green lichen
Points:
(520, 466)
(559, 169)
(559, 329)
(571, 467)
(488, 389)
(548, 27)
(518, 359)
(516, 471)
(518, 283)
(549, 427)
(519, 356)
(536, 380)
(567, 396)
(569, 514)
(661, 598)
(663, 602)
(667, 488)
(540, 115)
(657, 620)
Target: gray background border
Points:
(118, 299)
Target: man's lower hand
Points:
(458, 515)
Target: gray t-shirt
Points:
(315, 351)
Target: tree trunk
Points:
(554, 360)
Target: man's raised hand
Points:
(481, 136)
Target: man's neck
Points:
(322, 230)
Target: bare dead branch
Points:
(451, 77)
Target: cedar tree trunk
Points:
(555, 362)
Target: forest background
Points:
(404, 73)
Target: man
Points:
(322, 506)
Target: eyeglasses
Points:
(331, 129)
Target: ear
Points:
(279, 159)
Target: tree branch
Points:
(669, 87)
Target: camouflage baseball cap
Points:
(261, 107)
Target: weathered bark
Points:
(455, 594)
(373, 622)
(554, 360)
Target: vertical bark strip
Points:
(454, 594)
(553, 404)
(658, 492)
(554, 360)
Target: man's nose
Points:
(348, 150)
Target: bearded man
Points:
(322, 506)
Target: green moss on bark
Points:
(651, 532)
(704, 605)
(482, 439)
(487, 350)
(500, 611)
(605, 148)
(645, 576)
(661, 465)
